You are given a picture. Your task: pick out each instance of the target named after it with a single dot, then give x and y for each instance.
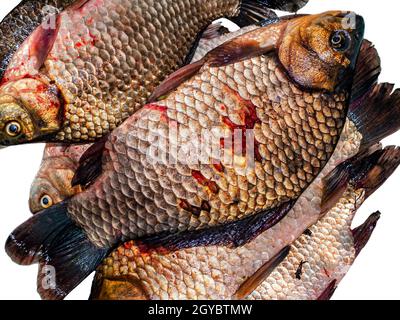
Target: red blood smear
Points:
(248, 114)
(128, 245)
(156, 107)
(211, 185)
(219, 167)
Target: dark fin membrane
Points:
(368, 69)
(90, 164)
(363, 233)
(286, 5)
(175, 80)
(362, 171)
(260, 275)
(328, 292)
(213, 31)
(65, 254)
(377, 115)
(117, 288)
(233, 234)
(254, 12)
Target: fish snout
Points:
(15, 124)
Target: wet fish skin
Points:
(333, 245)
(52, 183)
(98, 65)
(217, 272)
(135, 197)
(168, 192)
(21, 22)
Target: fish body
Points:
(88, 68)
(21, 22)
(131, 272)
(290, 149)
(217, 272)
(52, 183)
(148, 190)
(325, 256)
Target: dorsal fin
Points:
(253, 12)
(260, 275)
(363, 233)
(252, 44)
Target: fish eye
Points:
(46, 201)
(340, 40)
(13, 128)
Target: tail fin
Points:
(377, 115)
(62, 249)
(368, 172)
(253, 12)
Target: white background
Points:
(375, 273)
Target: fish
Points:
(132, 272)
(85, 70)
(327, 255)
(21, 22)
(137, 192)
(52, 183)
(310, 268)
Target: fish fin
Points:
(52, 239)
(233, 234)
(253, 12)
(372, 171)
(213, 31)
(36, 49)
(118, 288)
(363, 233)
(240, 48)
(368, 69)
(377, 115)
(367, 171)
(90, 164)
(329, 291)
(260, 275)
(286, 5)
(175, 80)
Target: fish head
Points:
(319, 52)
(52, 184)
(29, 111)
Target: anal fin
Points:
(233, 234)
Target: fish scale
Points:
(160, 171)
(276, 136)
(131, 40)
(223, 270)
(24, 18)
(330, 248)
